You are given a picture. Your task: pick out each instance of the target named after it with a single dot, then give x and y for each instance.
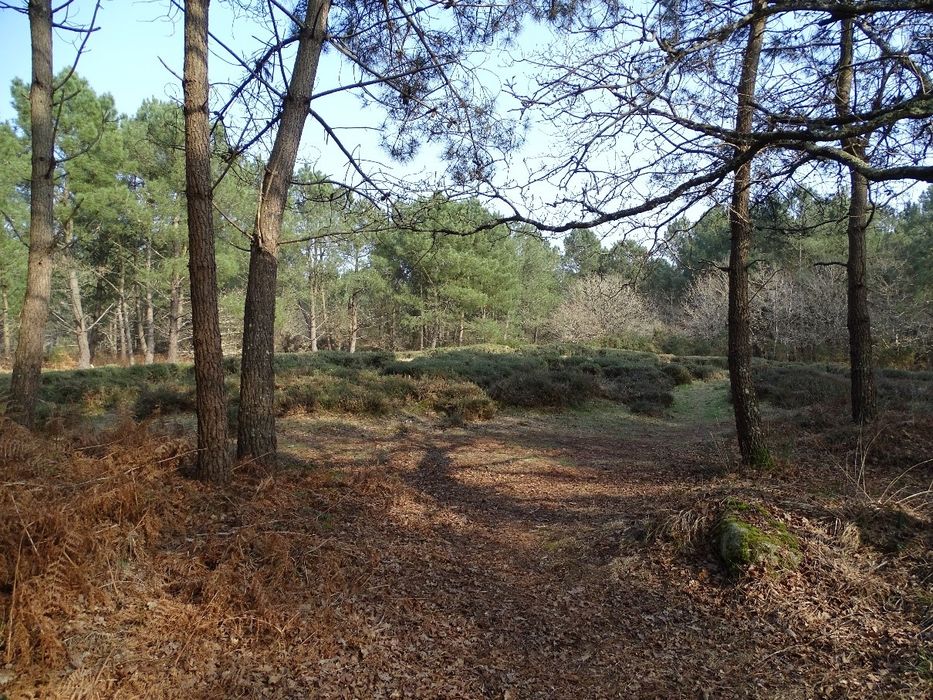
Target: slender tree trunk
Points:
(5, 310)
(174, 305)
(354, 321)
(127, 327)
(174, 319)
(256, 425)
(149, 311)
(94, 333)
(312, 283)
(80, 327)
(141, 333)
(312, 321)
(436, 326)
(461, 329)
(120, 342)
(213, 459)
(861, 366)
(150, 329)
(115, 336)
(27, 364)
(752, 445)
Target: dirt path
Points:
(500, 572)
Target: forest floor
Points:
(535, 555)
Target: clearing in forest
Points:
(418, 553)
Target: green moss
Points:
(747, 535)
(761, 458)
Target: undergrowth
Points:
(462, 384)
(101, 532)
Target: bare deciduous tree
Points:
(602, 306)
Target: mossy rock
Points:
(747, 535)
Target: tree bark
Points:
(861, 366)
(141, 329)
(752, 445)
(354, 321)
(5, 320)
(213, 459)
(80, 327)
(149, 311)
(120, 344)
(27, 364)
(256, 424)
(312, 283)
(174, 319)
(324, 334)
(174, 306)
(127, 328)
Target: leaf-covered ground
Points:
(535, 555)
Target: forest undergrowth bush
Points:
(467, 383)
(795, 386)
(462, 384)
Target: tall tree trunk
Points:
(436, 330)
(120, 343)
(5, 311)
(461, 329)
(150, 329)
(354, 321)
(129, 352)
(861, 366)
(213, 459)
(80, 327)
(174, 319)
(115, 334)
(141, 330)
(174, 304)
(312, 321)
(256, 425)
(94, 333)
(27, 364)
(149, 311)
(323, 331)
(312, 283)
(752, 445)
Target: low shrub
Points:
(646, 390)
(544, 389)
(164, 399)
(463, 401)
(798, 386)
(679, 373)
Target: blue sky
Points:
(125, 58)
(122, 58)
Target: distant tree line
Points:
(350, 278)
